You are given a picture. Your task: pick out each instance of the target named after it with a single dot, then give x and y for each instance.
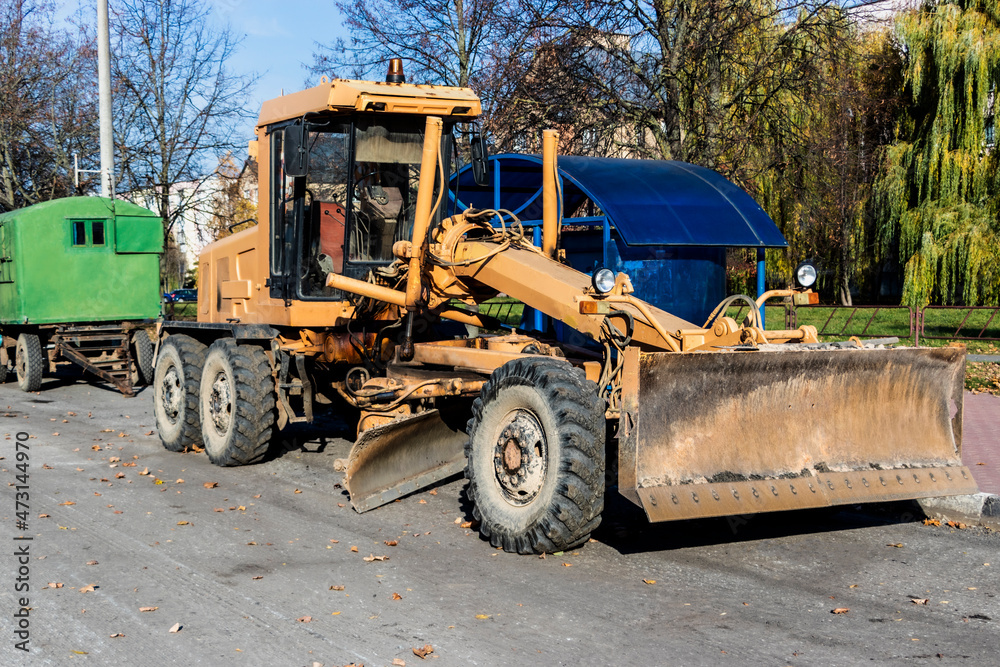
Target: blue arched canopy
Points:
(649, 202)
(666, 224)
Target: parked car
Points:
(181, 296)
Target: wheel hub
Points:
(520, 457)
(220, 403)
(171, 394)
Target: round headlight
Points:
(603, 280)
(805, 274)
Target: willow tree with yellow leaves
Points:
(938, 193)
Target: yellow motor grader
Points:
(353, 288)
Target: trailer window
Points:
(98, 232)
(79, 233)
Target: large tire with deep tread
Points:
(175, 392)
(28, 362)
(142, 358)
(237, 403)
(536, 457)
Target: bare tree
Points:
(178, 105)
(49, 109)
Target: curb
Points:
(980, 509)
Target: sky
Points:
(279, 37)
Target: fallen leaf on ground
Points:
(210, 485)
(220, 509)
(176, 627)
(398, 662)
(304, 619)
(649, 581)
(68, 502)
(120, 475)
(44, 516)
(89, 588)
(957, 524)
(149, 433)
(373, 557)
(180, 481)
(354, 549)
(840, 610)
(148, 608)
(482, 617)
(298, 491)
(258, 577)
(932, 522)
(114, 459)
(117, 635)
(53, 584)
(919, 600)
(91, 562)
(397, 596)
(422, 501)
(898, 545)
(145, 471)
(159, 481)
(336, 587)
(46, 466)
(423, 652)
(183, 523)
(391, 543)
(567, 564)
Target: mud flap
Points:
(725, 433)
(390, 461)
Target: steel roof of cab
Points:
(348, 95)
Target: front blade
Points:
(403, 456)
(734, 433)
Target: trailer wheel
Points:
(175, 392)
(535, 457)
(237, 403)
(28, 361)
(142, 358)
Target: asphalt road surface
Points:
(271, 566)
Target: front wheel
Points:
(535, 457)
(28, 362)
(237, 403)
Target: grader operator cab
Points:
(342, 293)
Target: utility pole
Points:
(104, 88)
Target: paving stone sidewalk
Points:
(981, 440)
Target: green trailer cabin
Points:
(77, 275)
(79, 259)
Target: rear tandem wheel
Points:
(175, 392)
(535, 457)
(237, 403)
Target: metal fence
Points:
(965, 323)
